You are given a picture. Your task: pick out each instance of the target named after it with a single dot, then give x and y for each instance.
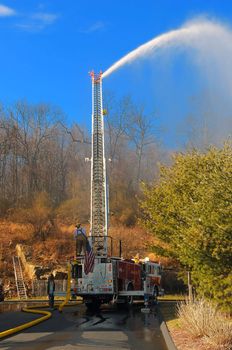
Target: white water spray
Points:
(194, 34)
(208, 44)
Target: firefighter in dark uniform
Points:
(1, 291)
(51, 290)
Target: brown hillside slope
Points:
(59, 247)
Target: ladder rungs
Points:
(21, 289)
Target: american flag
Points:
(89, 259)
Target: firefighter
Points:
(1, 291)
(51, 290)
(136, 258)
(81, 239)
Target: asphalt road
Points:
(76, 329)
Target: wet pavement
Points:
(13, 319)
(77, 329)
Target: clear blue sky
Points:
(48, 47)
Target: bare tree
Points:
(40, 153)
(116, 124)
(140, 131)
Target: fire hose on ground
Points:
(46, 314)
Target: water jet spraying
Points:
(194, 34)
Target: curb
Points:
(165, 332)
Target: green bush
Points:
(189, 211)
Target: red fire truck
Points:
(115, 280)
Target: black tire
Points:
(121, 306)
(93, 306)
(130, 299)
(155, 295)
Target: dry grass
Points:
(220, 334)
(202, 320)
(184, 341)
(10, 231)
(134, 240)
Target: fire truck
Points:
(115, 280)
(111, 279)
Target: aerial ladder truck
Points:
(111, 279)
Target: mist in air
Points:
(207, 44)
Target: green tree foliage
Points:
(189, 210)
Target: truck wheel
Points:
(130, 298)
(155, 295)
(121, 306)
(93, 306)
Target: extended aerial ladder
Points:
(112, 279)
(99, 203)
